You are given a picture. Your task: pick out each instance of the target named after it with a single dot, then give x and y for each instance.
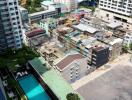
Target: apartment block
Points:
(114, 43)
(35, 17)
(116, 11)
(73, 67)
(48, 25)
(35, 37)
(123, 7)
(128, 39)
(100, 56)
(10, 25)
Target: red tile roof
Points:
(69, 59)
(35, 32)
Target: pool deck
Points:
(52, 78)
(35, 90)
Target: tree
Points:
(130, 46)
(28, 2)
(37, 3)
(125, 48)
(72, 96)
(2, 63)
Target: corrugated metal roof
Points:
(67, 60)
(84, 27)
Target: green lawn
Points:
(33, 6)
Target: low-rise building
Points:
(48, 24)
(85, 27)
(100, 56)
(114, 43)
(36, 37)
(73, 67)
(52, 5)
(35, 17)
(127, 39)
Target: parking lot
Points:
(116, 84)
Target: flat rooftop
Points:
(47, 3)
(41, 12)
(52, 78)
(87, 28)
(48, 20)
(115, 84)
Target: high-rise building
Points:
(123, 7)
(10, 25)
(24, 15)
(116, 11)
(70, 4)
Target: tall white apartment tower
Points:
(123, 7)
(69, 4)
(120, 10)
(10, 25)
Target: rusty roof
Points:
(67, 60)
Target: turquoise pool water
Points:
(32, 88)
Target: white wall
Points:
(67, 73)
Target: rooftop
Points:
(41, 12)
(67, 60)
(114, 25)
(35, 32)
(52, 78)
(47, 3)
(48, 20)
(22, 8)
(84, 27)
(107, 37)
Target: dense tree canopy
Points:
(72, 96)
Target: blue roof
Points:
(1, 95)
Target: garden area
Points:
(33, 5)
(89, 4)
(126, 48)
(13, 57)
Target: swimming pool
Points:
(32, 88)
